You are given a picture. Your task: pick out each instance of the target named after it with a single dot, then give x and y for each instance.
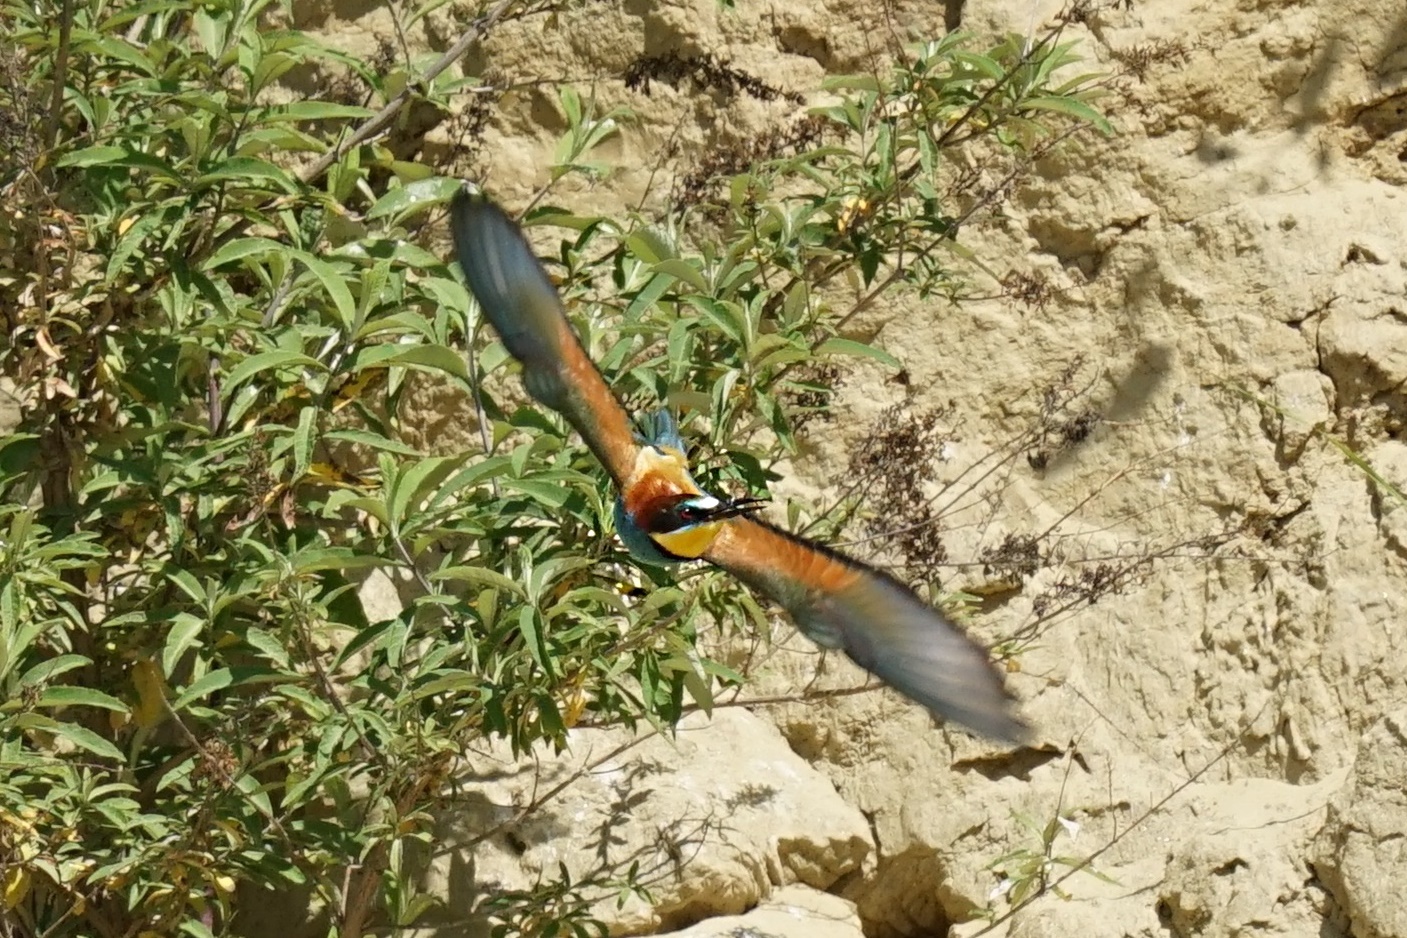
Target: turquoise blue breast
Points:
(636, 541)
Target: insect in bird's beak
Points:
(737, 506)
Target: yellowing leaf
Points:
(327, 474)
(357, 387)
(151, 693)
(16, 883)
(576, 704)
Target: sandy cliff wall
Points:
(1227, 283)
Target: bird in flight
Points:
(662, 515)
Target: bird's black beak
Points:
(736, 506)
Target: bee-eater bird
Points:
(663, 516)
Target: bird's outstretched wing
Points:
(838, 602)
(881, 624)
(526, 312)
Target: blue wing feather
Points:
(659, 428)
(513, 291)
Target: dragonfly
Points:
(663, 516)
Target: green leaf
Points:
(64, 695)
(46, 670)
(364, 637)
(114, 48)
(401, 323)
(373, 288)
(1071, 108)
(85, 739)
(724, 316)
(196, 929)
(1073, 86)
(415, 484)
(700, 689)
(546, 493)
(868, 83)
(455, 682)
(373, 440)
(266, 361)
(187, 583)
(271, 67)
(18, 454)
(647, 245)
(333, 283)
(135, 159)
(839, 346)
(184, 631)
(303, 441)
(267, 645)
(240, 248)
(249, 172)
(419, 356)
(16, 638)
(869, 264)
(222, 678)
(255, 791)
(319, 559)
(415, 197)
(657, 287)
(91, 156)
(683, 270)
(528, 622)
(782, 356)
(983, 65)
(550, 715)
(218, 679)
(480, 576)
(550, 571)
(315, 111)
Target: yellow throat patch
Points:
(691, 542)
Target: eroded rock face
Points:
(1240, 868)
(1361, 853)
(790, 912)
(714, 820)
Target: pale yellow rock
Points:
(1089, 906)
(1237, 866)
(791, 912)
(1301, 399)
(1361, 854)
(1389, 460)
(714, 821)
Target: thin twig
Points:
(1153, 811)
(60, 77)
(381, 120)
(540, 800)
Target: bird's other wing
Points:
(881, 624)
(518, 298)
(659, 428)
